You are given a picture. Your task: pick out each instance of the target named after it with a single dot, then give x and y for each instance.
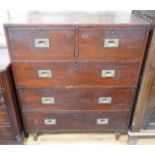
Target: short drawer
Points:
(6, 133)
(4, 119)
(76, 121)
(69, 74)
(112, 43)
(76, 99)
(41, 42)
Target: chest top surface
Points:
(76, 18)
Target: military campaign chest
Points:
(77, 71)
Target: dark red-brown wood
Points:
(130, 48)
(10, 118)
(70, 74)
(4, 119)
(6, 134)
(76, 121)
(22, 43)
(76, 60)
(76, 98)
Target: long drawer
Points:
(41, 42)
(112, 43)
(76, 121)
(69, 74)
(76, 99)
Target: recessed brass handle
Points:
(102, 121)
(108, 73)
(44, 73)
(47, 100)
(105, 100)
(50, 121)
(111, 43)
(41, 43)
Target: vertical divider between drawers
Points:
(76, 42)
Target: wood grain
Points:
(22, 43)
(76, 98)
(130, 48)
(145, 101)
(76, 61)
(76, 121)
(70, 74)
(10, 118)
(4, 118)
(6, 134)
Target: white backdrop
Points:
(22, 6)
(86, 5)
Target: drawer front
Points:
(112, 43)
(41, 43)
(76, 99)
(4, 119)
(77, 121)
(6, 133)
(68, 74)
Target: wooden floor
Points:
(72, 138)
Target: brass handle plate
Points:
(111, 43)
(102, 121)
(44, 73)
(108, 73)
(41, 43)
(105, 100)
(50, 121)
(47, 100)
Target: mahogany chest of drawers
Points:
(77, 72)
(11, 131)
